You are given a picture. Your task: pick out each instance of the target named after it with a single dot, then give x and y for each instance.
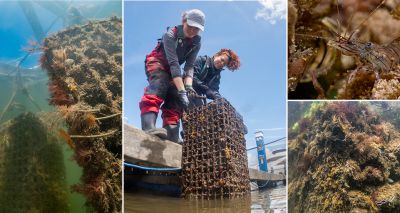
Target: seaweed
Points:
(32, 174)
(84, 64)
(344, 160)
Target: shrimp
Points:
(382, 58)
(316, 66)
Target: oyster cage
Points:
(214, 157)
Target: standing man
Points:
(207, 73)
(180, 44)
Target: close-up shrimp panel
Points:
(343, 49)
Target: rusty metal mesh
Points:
(214, 158)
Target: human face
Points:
(190, 31)
(220, 61)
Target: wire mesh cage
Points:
(214, 158)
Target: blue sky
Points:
(256, 31)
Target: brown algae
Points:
(84, 64)
(32, 170)
(344, 157)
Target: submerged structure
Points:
(84, 64)
(32, 170)
(343, 157)
(214, 157)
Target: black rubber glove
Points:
(211, 94)
(182, 95)
(203, 87)
(190, 89)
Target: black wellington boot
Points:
(173, 133)
(148, 125)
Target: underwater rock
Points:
(84, 64)
(344, 158)
(32, 170)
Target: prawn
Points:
(316, 68)
(383, 58)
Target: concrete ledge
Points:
(147, 150)
(258, 175)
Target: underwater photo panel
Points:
(61, 106)
(344, 156)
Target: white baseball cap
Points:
(195, 18)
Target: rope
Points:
(259, 187)
(152, 168)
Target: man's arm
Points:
(213, 91)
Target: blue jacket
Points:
(206, 76)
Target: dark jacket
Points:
(206, 77)
(173, 49)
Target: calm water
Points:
(258, 202)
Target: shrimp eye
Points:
(369, 44)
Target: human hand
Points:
(190, 90)
(183, 98)
(211, 94)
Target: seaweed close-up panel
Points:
(344, 157)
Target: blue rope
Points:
(152, 169)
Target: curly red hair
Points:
(234, 60)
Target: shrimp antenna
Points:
(312, 36)
(333, 32)
(382, 2)
(338, 17)
(348, 24)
